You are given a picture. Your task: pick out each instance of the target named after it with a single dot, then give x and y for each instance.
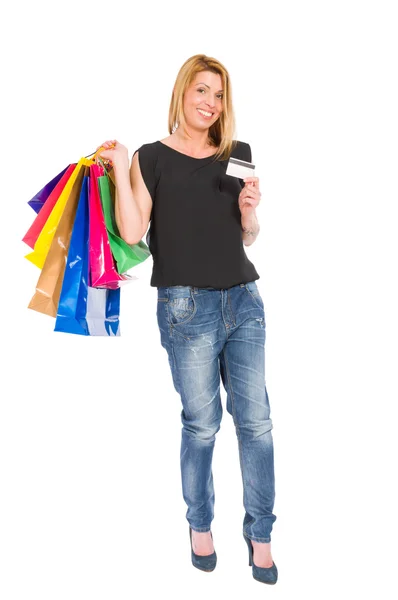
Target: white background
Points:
(91, 502)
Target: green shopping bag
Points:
(126, 256)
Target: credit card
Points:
(240, 168)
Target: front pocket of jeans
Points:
(252, 290)
(181, 310)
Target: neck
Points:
(192, 139)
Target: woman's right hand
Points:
(115, 152)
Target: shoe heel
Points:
(250, 547)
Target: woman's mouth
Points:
(205, 114)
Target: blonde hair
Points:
(222, 132)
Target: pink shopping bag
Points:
(102, 266)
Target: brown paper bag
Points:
(48, 288)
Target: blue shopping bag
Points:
(82, 309)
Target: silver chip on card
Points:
(240, 168)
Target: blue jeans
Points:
(210, 333)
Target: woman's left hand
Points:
(250, 195)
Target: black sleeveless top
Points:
(195, 233)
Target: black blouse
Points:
(195, 233)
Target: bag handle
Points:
(94, 158)
(108, 172)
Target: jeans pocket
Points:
(181, 309)
(253, 291)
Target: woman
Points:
(210, 312)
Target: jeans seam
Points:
(266, 540)
(230, 307)
(234, 417)
(181, 335)
(168, 319)
(170, 336)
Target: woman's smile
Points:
(205, 114)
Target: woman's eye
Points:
(220, 96)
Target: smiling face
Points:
(203, 100)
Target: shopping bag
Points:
(34, 230)
(81, 309)
(103, 309)
(45, 238)
(42, 196)
(97, 310)
(102, 268)
(48, 288)
(125, 255)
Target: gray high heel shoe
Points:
(204, 563)
(263, 574)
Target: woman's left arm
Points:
(249, 199)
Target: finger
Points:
(246, 204)
(252, 201)
(254, 180)
(248, 199)
(250, 193)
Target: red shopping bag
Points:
(34, 230)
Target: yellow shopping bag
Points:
(43, 243)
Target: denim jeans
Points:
(208, 334)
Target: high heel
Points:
(263, 574)
(204, 563)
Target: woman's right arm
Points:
(133, 203)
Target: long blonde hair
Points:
(222, 132)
